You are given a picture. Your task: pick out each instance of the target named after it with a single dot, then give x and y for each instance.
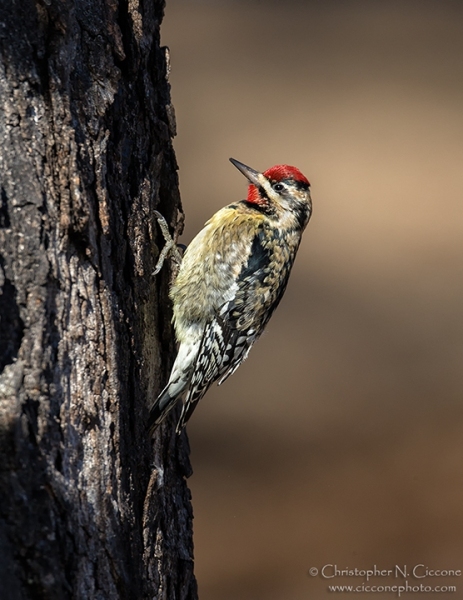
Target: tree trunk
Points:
(89, 508)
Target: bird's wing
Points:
(222, 350)
(207, 367)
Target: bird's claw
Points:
(170, 247)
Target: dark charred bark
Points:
(88, 507)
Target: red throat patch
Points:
(254, 196)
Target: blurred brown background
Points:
(340, 440)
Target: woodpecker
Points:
(230, 280)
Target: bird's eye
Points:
(278, 187)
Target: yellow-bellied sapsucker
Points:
(232, 277)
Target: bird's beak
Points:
(254, 177)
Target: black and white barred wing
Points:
(221, 352)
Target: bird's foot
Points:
(171, 247)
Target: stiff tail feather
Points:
(164, 403)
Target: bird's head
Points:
(280, 188)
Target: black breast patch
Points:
(258, 261)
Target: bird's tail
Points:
(158, 412)
(176, 388)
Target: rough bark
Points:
(89, 506)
